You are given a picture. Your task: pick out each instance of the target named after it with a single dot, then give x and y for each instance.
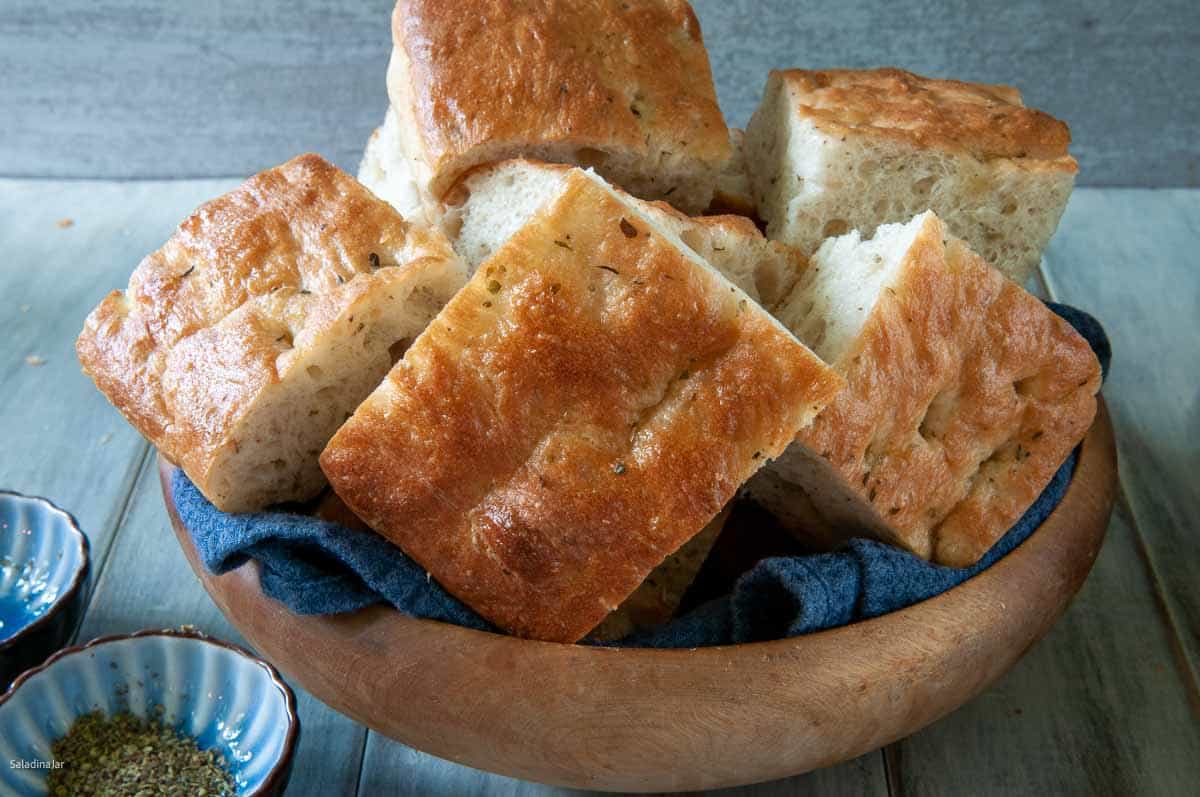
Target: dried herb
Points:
(627, 229)
(121, 755)
(493, 286)
(564, 245)
(610, 268)
(188, 272)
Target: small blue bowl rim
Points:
(278, 770)
(78, 580)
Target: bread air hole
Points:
(1026, 388)
(937, 416)
(590, 158)
(396, 350)
(924, 185)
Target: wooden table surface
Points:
(1108, 703)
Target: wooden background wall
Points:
(139, 88)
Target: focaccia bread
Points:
(244, 342)
(581, 409)
(964, 395)
(623, 86)
(493, 202)
(842, 150)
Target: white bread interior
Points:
(845, 278)
(387, 172)
(492, 203)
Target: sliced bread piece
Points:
(573, 416)
(963, 396)
(623, 86)
(493, 202)
(244, 342)
(842, 150)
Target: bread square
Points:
(964, 394)
(583, 407)
(841, 150)
(493, 202)
(244, 342)
(623, 86)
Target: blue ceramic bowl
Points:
(221, 695)
(43, 579)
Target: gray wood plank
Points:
(148, 584)
(61, 438)
(393, 768)
(139, 88)
(1131, 258)
(1100, 706)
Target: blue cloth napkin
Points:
(317, 567)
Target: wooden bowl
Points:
(665, 720)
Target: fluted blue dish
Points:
(217, 693)
(43, 578)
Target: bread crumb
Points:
(34, 359)
(65, 223)
(24, 308)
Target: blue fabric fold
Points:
(316, 567)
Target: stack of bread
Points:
(519, 350)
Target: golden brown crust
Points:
(604, 75)
(964, 395)
(987, 121)
(586, 404)
(215, 316)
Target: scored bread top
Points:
(584, 406)
(497, 78)
(987, 121)
(232, 302)
(964, 395)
